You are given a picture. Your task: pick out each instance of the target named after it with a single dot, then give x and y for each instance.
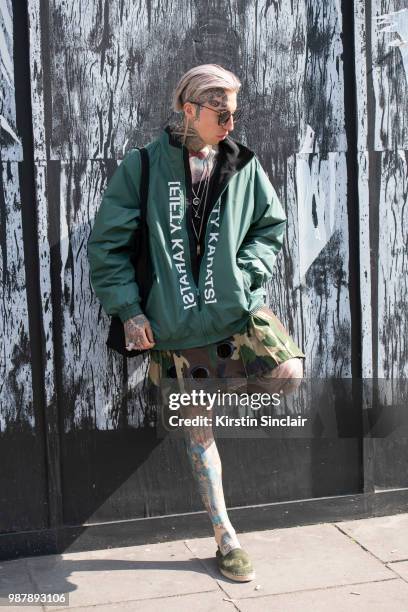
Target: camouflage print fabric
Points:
(262, 346)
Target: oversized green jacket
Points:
(189, 305)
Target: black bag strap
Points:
(142, 264)
(144, 185)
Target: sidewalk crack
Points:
(385, 563)
(227, 596)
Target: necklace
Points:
(200, 229)
(197, 197)
(207, 169)
(197, 201)
(196, 204)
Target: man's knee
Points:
(285, 377)
(291, 368)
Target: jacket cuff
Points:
(130, 311)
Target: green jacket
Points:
(192, 302)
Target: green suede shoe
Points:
(236, 565)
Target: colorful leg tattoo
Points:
(207, 470)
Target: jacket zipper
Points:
(198, 296)
(187, 184)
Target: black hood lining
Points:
(232, 157)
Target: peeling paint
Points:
(316, 197)
(9, 130)
(16, 393)
(10, 141)
(104, 76)
(397, 23)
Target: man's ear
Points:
(188, 110)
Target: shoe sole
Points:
(244, 578)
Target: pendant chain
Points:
(197, 200)
(198, 235)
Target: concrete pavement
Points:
(343, 566)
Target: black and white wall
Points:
(326, 88)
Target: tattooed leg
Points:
(207, 470)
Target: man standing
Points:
(215, 227)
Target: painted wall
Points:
(381, 40)
(91, 80)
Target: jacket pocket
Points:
(242, 296)
(150, 296)
(255, 297)
(169, 318)
(230, 306)
(246, 284)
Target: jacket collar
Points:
(233, 155)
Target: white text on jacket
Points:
(177, 246)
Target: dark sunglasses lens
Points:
(224, 117)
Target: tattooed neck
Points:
(193, 141)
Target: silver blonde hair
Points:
(200, 79)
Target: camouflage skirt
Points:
(263, 345)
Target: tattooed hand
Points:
(138, 333)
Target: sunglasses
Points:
(223, 116)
